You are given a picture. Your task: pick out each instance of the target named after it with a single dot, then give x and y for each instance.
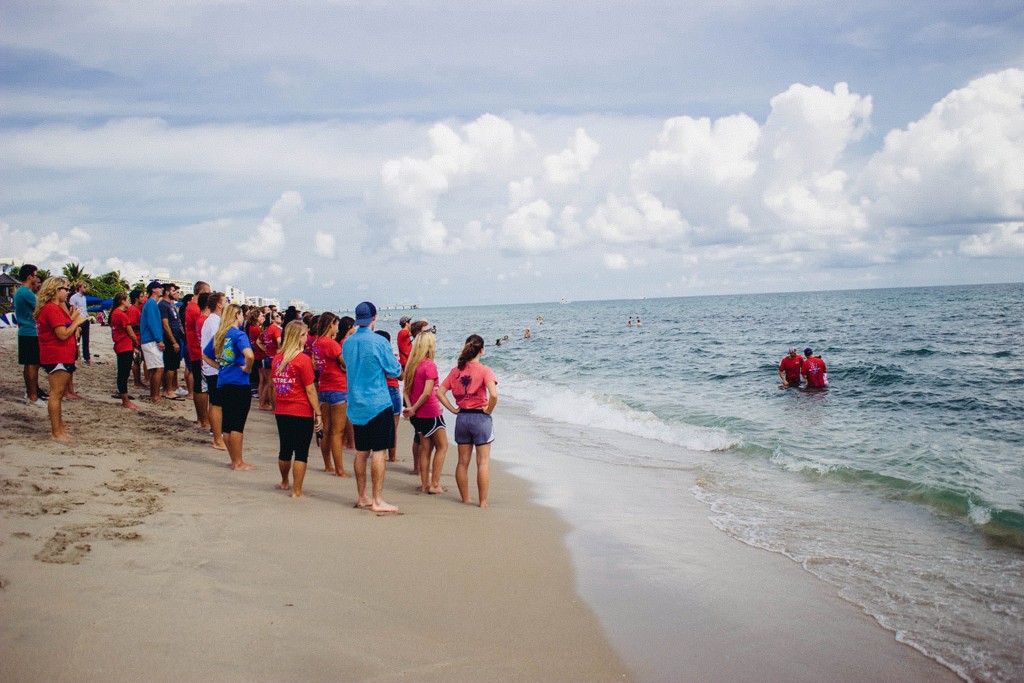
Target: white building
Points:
(262, 301)
(299, 304)
(234, 295)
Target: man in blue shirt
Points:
(368, 359)
(28, 338)
(152, 338)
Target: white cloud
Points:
(324, 245)
(616, 262)
(526, 229)
(567, 166)
(642, 218)
(268, 241)
(1005, 239)
(962, 162)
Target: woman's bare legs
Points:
(325, 441)
(462, 471)
(339, 424)
(234, 441)
(483, 471)
(298, 475)
(439, 440)
(59, 381)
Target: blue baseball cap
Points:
(365, 313)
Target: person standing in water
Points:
(790, 367)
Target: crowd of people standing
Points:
(334, 377)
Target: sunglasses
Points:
(66, 289)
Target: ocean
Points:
(901, 485)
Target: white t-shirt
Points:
(78, 301)
(205, 337)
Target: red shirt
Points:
(271, 335)
(404, 346)
(135, 318)
(326, 352)
(290, 385)
(51, 349)
(814, 371)
(790, 367)
(192, 315)
(119, 323)
(254, 334)
(469, 385)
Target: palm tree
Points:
(74, 272)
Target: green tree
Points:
(107, 285)
(74, 272)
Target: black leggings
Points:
(124, 369)
(295, 433)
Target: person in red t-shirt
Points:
(404, 340)
(297, 409)
(789, 368)
(125, 343)
(56, 326)
(325, 354)
(193, 325)
(814, 370)
(138, 299)
(254, 329)
(268, 342)
(476, 393)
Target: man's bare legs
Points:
(234, 442)
(483, 471)
(393, 451)
(156, 377)
(377, 469)
(202, 402)
(31, 375)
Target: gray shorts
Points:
(475, 428)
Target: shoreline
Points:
(136, 554)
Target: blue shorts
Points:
(265, 363)
(333, 398)
(396, 399)
(476, 428)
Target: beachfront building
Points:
(299, 304)
(260, 301)
(234, 294)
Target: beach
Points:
(136, 554)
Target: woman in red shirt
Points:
(125, 343)
(297, 408)
(56, 325)
(332, 392)
(254, 329)
(268, 342)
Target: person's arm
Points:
(428, 388)
(492, 397)
(63, 332)
(249, 358)
(314, 401)
(442, 396)
(168, 334)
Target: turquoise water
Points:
(902, 484)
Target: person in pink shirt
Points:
(424, 410)
(475, 390)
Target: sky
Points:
(465, 153)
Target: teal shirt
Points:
(24, 309)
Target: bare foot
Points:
(284, 486)
(129, 405)
(345, 474)
(383, 507)
(73, 397)
(467, 501)
(329, 468)
(483, 503)
(364, 503)
(296, 494)
(268, 408)
(219, 446)
(242, 466)
(392, 459)
(435, 490)
(63, 438)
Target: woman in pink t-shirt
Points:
(476, 393)
(424, 410)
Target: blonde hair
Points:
(291, 343)
(227, 321)
(48, 292)
(424, 346)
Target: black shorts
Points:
(235, 402)
(426, 426)
(172, 358)
(211, 389)
(28, 350)
(198, 385)
(378, 434)
(57, 367)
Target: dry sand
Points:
(136, 554)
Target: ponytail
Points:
(474, 345)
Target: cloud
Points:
(963, 162)
(1005, 239)
(324, 245)
(567, 166)
(268, 241)
(51, 251)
